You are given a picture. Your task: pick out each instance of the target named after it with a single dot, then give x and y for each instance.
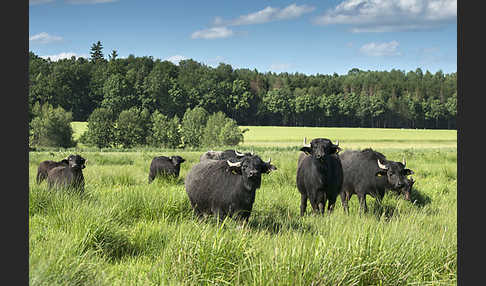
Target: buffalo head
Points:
(395, 172)
(177, 160)
(319, 147)
(251, 166)
(76, 161)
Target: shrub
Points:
(193, 124)
(131, 127)
(101, 129)
(165, 132)
(211, 134)
(230, 134)
(51, 127)
(221, 130)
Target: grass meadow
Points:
(124, 231)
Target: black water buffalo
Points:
(70, 176)
(165, 166)
(319, 175)
(45, 166)
(226, 188)
(223, 155)
(369, 172)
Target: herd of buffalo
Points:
(223, 183)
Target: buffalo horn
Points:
(404, 162)
(237, 164)
(337, 142)
(269, 160)
(306, 145)
(381, 165)
(239, 154)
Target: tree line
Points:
(384, 99)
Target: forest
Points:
(377, 99)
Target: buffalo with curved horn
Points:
(225, 188)
(319, 174)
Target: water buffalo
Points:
(319, 175)
(165, 166)
(70, 176)
(223, 155)
(45, 166)
(369, 172)
(226, 188)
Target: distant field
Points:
(355, 138)
(352, 137)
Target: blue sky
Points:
(308, 37)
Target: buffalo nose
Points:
(318, 156)
(252, 173)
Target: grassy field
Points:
(124, 231)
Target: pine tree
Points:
(113, 55)
(97, 52)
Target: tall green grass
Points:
(124, 231)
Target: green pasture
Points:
(353, 138)
(124, 231)
(357, 138)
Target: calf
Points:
(368, 172)
(165, 167)
(319, 175)
(226, 188)
(70, 176)
(45, 166)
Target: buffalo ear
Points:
(269, 168)
(336, 149)
(408, 172)
(380, 173)
(306, 150)
(65, 161)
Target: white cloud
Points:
(175, 59)
(44, 38)
(380, 49)
(390, 15)
(258, 17)
(265, 15)
(64, 56)
(212, 33)
(36, 2)
(294, 11)
(268, 14)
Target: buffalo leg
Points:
(303, 204)
(330, 206)
(39, 178)
(344, 201)
(362, 203)
(314, 203)
(150, 178)
(321, 202)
